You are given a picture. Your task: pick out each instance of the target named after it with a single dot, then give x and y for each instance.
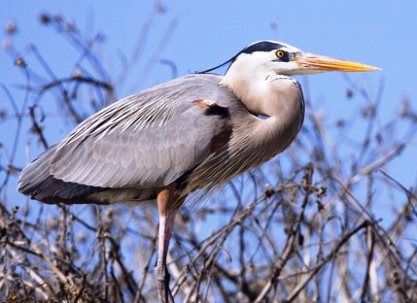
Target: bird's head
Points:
(272, 57)
(264, 60)
(284, 59)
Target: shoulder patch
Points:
(211, 108)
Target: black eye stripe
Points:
(263, 46)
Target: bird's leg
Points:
(166, 223)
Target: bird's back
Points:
(140, 143)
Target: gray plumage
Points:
(135, 146)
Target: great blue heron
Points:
(194, 132)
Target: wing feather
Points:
(148, 140)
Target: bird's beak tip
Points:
(369, 68)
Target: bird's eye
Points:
(280, 53)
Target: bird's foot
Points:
(162, 283)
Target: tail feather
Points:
(36, 181)
(35, 172)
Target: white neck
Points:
(265, 93)
(260, 89)
(247, 79)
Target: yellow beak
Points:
(317, 63)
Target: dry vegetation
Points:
(305, 227)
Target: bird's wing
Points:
(148, 140)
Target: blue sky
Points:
(380, 33)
